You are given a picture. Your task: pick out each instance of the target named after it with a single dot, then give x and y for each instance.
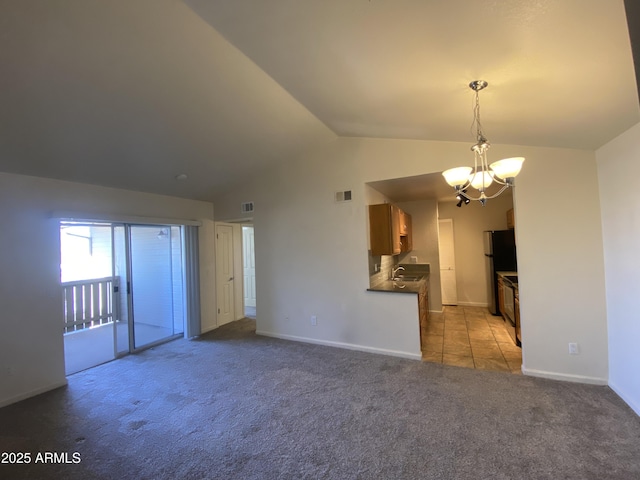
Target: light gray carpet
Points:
(233, 405)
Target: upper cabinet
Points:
(511, 223)
(389, 230)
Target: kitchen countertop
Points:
(514, 284)
(399, 286)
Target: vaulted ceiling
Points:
(132, 93)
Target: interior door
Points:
(447, 262)
(225, 274)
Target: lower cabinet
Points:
(500, 296)
(516, 308)
(423, 309)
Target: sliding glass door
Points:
(123, 289)
(156, 276)
(88, 285)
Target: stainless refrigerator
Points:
(500, 255)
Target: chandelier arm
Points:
(466, 195)
(497, 180)
(498, 192)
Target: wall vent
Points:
(246, 207)
(344, 196)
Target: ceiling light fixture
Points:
(482, 175)
(462, 199)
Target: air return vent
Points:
(246, 207)
(344, 196)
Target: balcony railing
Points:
(90, 303)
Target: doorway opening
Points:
(123, 289)
(249, 271)
(235, 271)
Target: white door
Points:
(224, 274)
(249, 264)
(447, 262)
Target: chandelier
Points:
(482, 175)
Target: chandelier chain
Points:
(476, 120)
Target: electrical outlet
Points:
(314, 320)
(414, 259)
(573, 349)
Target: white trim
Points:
(242, 220)
(348, 346)
(564, 377)
(436, 311)
(618, 391)
(210, 329)
(32, 393)
(111, 218)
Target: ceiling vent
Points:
(343, 196)
(246, 207)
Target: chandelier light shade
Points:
(481, 180)
(482, 175)
(507, 168)
(457, 176)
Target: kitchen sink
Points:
(407, 278)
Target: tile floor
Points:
(470, 337)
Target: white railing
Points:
(89, 303)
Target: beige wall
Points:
(311, 253)
(469, 221)
(618, 161)
(31, 344)
(424, 218)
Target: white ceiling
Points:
(132, 93)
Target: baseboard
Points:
(473, 304)
(564, 377)
(436, 311)
(348, 346)
(632, 403)
(32, 393)
(208, 329)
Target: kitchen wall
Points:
(31, 343)
(618, 165)
(469, 221)
(424, 218)
(311, 252)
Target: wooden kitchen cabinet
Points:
(500, 296)
(511, 222)
(406, 233)
(423, 309)
(389, 230)
(516, 308)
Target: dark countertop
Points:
(391, 286)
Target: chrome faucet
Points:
(395, 270)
